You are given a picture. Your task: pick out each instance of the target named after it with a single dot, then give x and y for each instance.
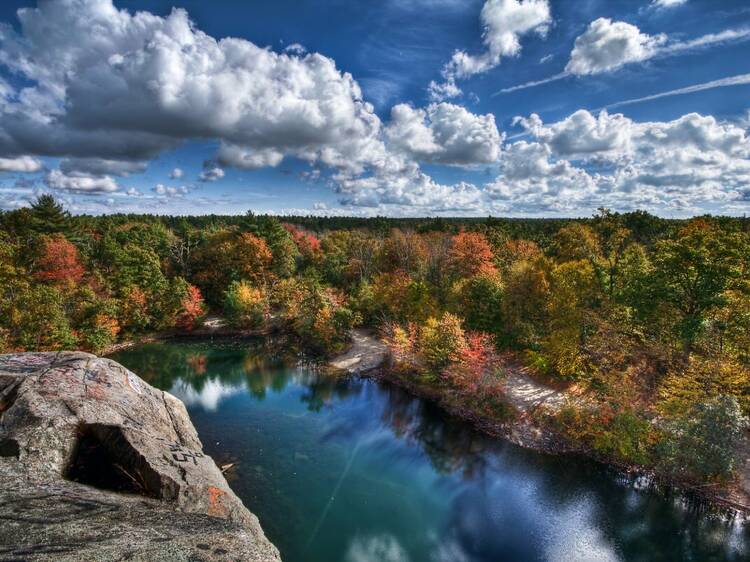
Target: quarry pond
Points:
(357, 470)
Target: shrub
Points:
(192, 309)
(245, 306)
(702, 442)
(440, 342)
(627, 438)
(703, 378)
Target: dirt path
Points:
(527, 394)
(366, 353)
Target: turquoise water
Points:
(359, 471)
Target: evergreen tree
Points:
(49, 217)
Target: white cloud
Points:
(25, 164)
(211, 173)
(445, 90)
(531, 180)
(295, 49)
(111, 84)
(667, 3)
(176, 174)
(239, 157)
(168, 191)
(444, 133)
(582, 136)
(684, 163)
(80, 183)
(608, 45)
(504, 23)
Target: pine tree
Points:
(49, 217)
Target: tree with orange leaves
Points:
(58, 262)
(228, 256)
(470, 254)
(192, 309)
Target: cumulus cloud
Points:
(176, 174)
(295, 49)
(685, 162)
(25, 164)
(111, 84)
(211, 173)
(504, 23)
(608, 45)
(80, 183)
(240, 157)
(581, 135)
(168, 191)
(532, 180)
(444, 133)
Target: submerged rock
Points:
(96, 464)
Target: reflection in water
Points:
(357, 471)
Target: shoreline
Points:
(204, 332)
(521, 431)
(367, 357)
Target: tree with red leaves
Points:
(192, 309)
(59, 262)
(306, 242)
(471, 254)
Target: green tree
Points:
(479, 300)
(702, 443)
(49, 217)
(693, 272)
(440, 342)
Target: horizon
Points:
(408, 109)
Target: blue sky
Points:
(394, 107)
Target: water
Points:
(359, 471)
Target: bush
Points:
(440, 342)
(245, 306)
(192, 309)
(95, 319)
(702, 378)
(627, 438)
(702, 443)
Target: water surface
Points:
(359, 471)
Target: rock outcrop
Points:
(95, 464)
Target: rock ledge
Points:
(96, 464)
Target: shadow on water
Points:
(355, 470)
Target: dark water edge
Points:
(359, 470)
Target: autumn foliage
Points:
(192, 309)
(471, 254)
(649, 318)
(59, 262)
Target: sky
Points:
(396, 107)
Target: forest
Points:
(647, 319)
